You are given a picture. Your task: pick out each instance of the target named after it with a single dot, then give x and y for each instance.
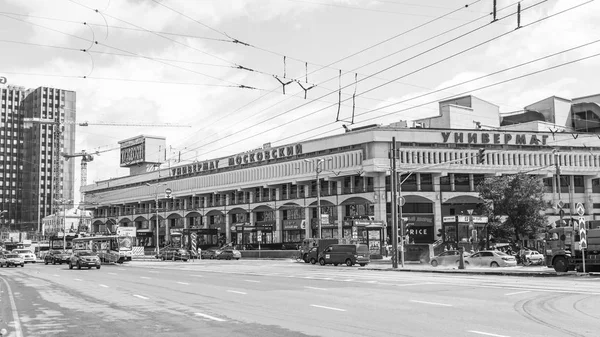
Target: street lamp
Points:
(64, 203)
(318, 170)
(156, 214)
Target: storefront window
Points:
(329, 233)
(445, 183)
(239, 218)
(461, 182)
(293, 214)
(265, 216)
(359, 210)
(293, 236)
(426, 182)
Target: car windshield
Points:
(55, 252)
(21, 251)
(501, 254)
(10, 256)
(85, 253)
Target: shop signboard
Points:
(449, 219)
(293, 224)
(476, 219)
(126, 231)
(144, 234)
(420, 228)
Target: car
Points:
(84, 258)
(172, 253)
(347, 254)
(533, 257)
(209, 253)
(228, 254)
(11, 259)
(57, 256)
(491, 258)
(26, 254)
(451, 257)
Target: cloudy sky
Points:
(214, 65)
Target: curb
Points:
(474, 272)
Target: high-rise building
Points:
(37, 125)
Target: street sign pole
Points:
(394, 205)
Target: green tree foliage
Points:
(514, 205)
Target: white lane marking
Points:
(411, 284)
(142, 297)
(315, 288)
(518, 292)
(252, 281)
(432, 303)
(187, 284)
(145, 277)
(112, 273)
(348, 280)
(152, 271)
(237, 292)
(370, 281)
(103, 285)
(210, 317)
(16, 321)
(77, 279)
(56, 275)
(197, 275)
(486, 333)
(121, 269)
(324, 307)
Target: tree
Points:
(514, 204)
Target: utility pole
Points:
(156, 215)
(318, 170)
(393, 179)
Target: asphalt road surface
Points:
(284, 298)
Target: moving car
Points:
(451, 257)
(172, 253)
(56, 256)
(26, 254)
(228, 254)
(491, 258)
(84, 258)
(11, 259)
(347, 254)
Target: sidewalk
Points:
(385, 264)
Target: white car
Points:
(25, 254)
(532, 256)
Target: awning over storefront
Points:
(193, 215)
(416, 199)
(154, 217)
(464, 199)
(111, 221)
(124, 220)
(290, 205)
(174, 216)
(140, 218)
(262, 208)
(237, 210)
(356, 201)
(98, 223)
(323, 203)
(214, 212)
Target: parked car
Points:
(451, 257)
(26, 254)
(209, 253)
(172, 253)
(533, 257)
(491, 258)
(228, 254)
(84, 258)
(348, 254)
(57, 256)
(11, 259)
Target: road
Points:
(284, 298)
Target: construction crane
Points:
(85, 158)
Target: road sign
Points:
(259, 236)
(583, 238)
(580, 209)
(560, 204)
(401, 201)
(3, 80)
(168, 192)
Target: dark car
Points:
(209, 253)
(56, 256)
(174, 254)
(84, 258)
(347, 254)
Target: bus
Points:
(107, 247)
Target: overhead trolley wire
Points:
(304, 116)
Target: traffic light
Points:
(168, 192)
(481, 156)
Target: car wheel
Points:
(78, 265)
(434, 263)
(237, 258)
(163, 258)
(322, 262)
(336, 264)
(89, 268)
(53, 261)
(46, 262)
(313, 260)
(494, 264)
(349, 263)
(363, 264)
(70, 265)
(97, 267)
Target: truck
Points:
(563, 249)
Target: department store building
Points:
(269, 195)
